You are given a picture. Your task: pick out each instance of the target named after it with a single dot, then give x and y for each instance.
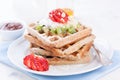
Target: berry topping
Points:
(35, 62)
(58, 15)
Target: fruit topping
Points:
(68, 11)
(58, 15)
(35, 62)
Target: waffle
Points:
(61, 51)
(74, 56)
(61, 61)
(58, 41)
(81, 56)
(77, 54)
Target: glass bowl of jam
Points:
(11, 30)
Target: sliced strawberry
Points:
(58, 15)
(35, 62)
(27, 61)
(51, 17)
(58, 12)
(33, 65)
(56, 18)
(44, 64)
(38, 64)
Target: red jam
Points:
(12, 26)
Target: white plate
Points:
(17, 51)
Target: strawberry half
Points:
(35, 62)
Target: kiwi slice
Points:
(59, 30)
(71, 29)
(53, 31)
(64, 29)
(39, 27)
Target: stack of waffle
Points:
(58, 50)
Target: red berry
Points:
(51, 17)
(27, 60)
(58, 15)
(44, 63)
(38, 64)
(35, 62)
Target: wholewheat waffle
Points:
(58, 41)
(36, 48)
(61, 61)
(82, 56)
(61, 51)
(74, 56)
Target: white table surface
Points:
(103, 16)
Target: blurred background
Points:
(102, 15)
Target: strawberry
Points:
(27, 60)
(44, 63)
(38, 64)
(51, 17)
(58, 15)
(35, 62)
